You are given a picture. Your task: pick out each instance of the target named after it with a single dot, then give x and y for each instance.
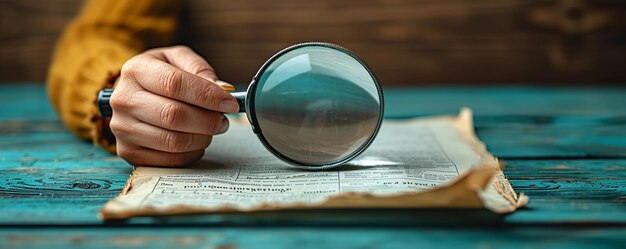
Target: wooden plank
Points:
(25, 101)
(423, 42)
(530, 104)
(605, 140)
(519, 122)
(28, 31)
(312, 237)
(48, 172)
(405, 41)
(51, 177)
(569, 190)
(561, 192)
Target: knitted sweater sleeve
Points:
(93, 48)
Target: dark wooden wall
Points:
(405, 41)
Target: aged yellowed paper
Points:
(420, 163)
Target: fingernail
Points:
(225, 86)
(224, 126)
(229, 106)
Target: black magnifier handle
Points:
(105, 111)
(241, 100)
(104, 108)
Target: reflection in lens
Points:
(317, 105)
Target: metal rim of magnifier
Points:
(251, 92)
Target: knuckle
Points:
(198, 65)
(214, 125)
(209, 97)
(130, 68)
(123, 153)
(171, 114)
(118, 127)
(176, 160)
(127, 154)
(180, 48)
(171, 83)
(120, 100)
(175, 142)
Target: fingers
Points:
(166, 80)
(174, 115)
(167, 104)
(152, 137)
(159, 77)
(149, 157)
(186, 59)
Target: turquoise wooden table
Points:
(565, 148)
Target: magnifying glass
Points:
(314, 105)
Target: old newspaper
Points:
(421, 163)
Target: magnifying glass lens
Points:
(317, 105)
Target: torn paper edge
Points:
(475, 182)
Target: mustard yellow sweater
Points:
(93, 48)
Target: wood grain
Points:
(50, 178)
(28, 31)
(314, 238)
(405, 41)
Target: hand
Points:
(166, 105)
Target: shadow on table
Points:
(329, 217)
